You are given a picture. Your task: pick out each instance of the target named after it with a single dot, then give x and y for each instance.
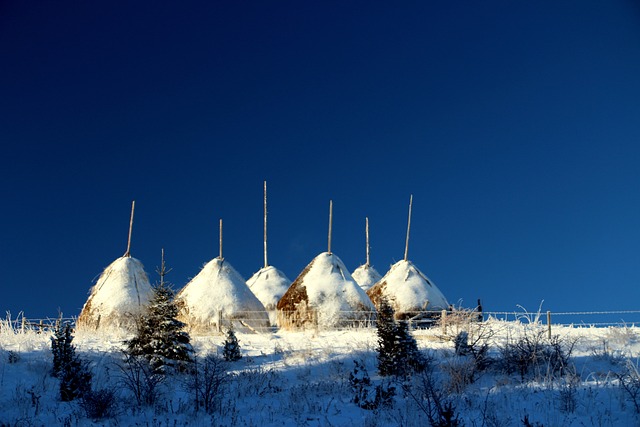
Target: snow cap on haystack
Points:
(324, 294)
(408, 290)
(366, 276)
(219, 289)
(269, 284)
(120, 294)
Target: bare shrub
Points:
(533, 352)
(99, 404)
(433, 401)
(469, 335)
(629, 381)
(258, 381)
(207, 382)
(138, 376)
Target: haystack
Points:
(324, 295)
(366, 276)
(268, 284)
(120, 294)
(218, 296)
(408, 291)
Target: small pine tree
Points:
(74, 374)
(231, 351)
(159, 337)
(398, 352)
(386, 330)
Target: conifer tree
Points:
(160, 337)
(398, 352)
(231, 351)
(74, 375)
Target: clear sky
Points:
(515, 125)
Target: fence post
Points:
(443, 321)
(549, 323)
(219, 320)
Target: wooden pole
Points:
(366, 228)
(266, 263)
(220, 256)
(549, 323)
(128, 252)
(406, 245)
(162, 271)
(330, 223)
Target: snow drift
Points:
(324, 294)
(408, 290)
(120, 294)
(219, 289)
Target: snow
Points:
(366, 276)
(408, 289)
(121, 292)
(331, 289)
(219, 288)
(269, 284)
(301, 378)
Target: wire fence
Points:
(254, 321)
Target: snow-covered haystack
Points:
(408, 290)
(219, 291)
(120, 294)
(269, 284)
(366, 276)
(324, 295)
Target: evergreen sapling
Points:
(231, 351)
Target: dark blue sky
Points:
(515, 125)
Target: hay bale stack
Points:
(366, 276)
(118, 297)
(219, 289)
(269, 285)
(324, 295)
(408, 290)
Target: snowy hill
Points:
(302, 378)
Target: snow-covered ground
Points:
(302, 379)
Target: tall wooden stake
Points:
(220, 256)
(330, 223)
(367, 234)
(162, 270)
(128, 252)
(406, 245)
(266, 263)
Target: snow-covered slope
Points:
(366, 276)
(219, 288)
(325, 287)
(120, 293)
(408, 289)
